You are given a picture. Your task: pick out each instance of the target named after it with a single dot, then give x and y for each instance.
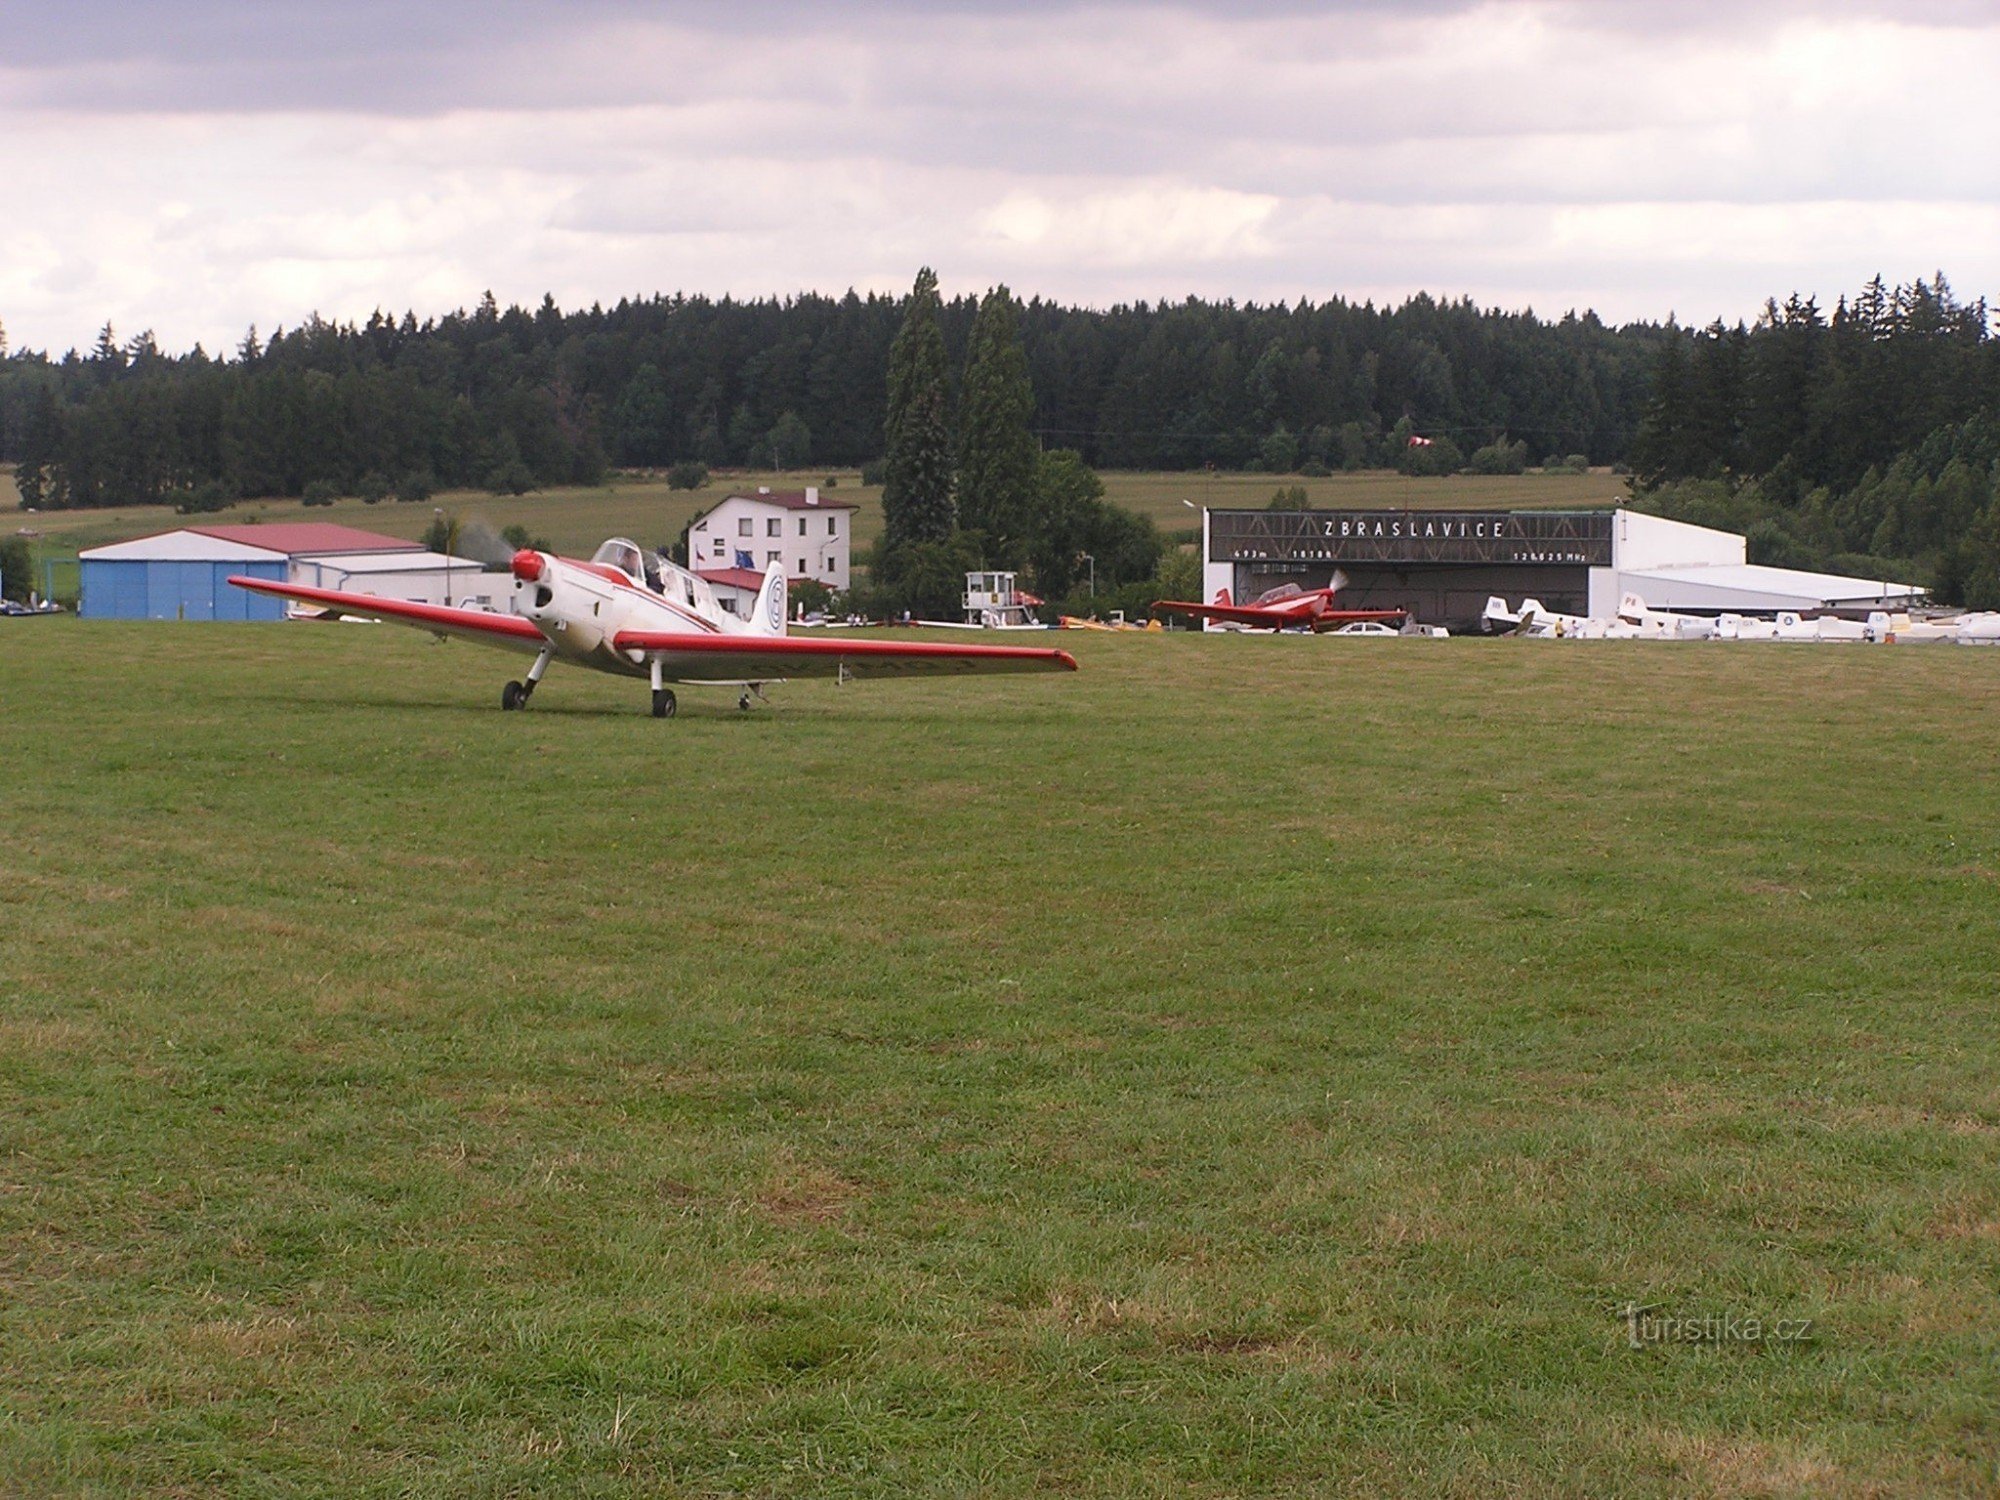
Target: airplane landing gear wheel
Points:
(663, 703)
(744, 703)
(513, 696)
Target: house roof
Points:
(299, 538)
(734, 578)
(792, 500)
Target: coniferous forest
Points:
(515, 398)
(1866, 438)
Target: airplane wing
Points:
(509, 631)
(1276, 617)
(1236, 614)
(687, 657)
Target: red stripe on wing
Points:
(776, 647)
(402, 611)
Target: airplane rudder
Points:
(773, 601)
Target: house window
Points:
(771, 557)
(833, 525)
(802, 565)
(746, 527)
(831, 565)
(802, 525)
(774, 527)
(720, 551)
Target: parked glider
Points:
(623, 612)
(1287, 607)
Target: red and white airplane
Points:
(647, 617)
(1287, 607)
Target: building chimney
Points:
(763, 489)
(812, 494)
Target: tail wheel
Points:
(664, 703)
(513, 696)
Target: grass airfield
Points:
(1250, 1065)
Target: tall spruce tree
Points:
(997, 453)
(916, 484)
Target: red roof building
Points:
(306, 538)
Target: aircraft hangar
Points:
(1443, 565)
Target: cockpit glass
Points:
(624, 556)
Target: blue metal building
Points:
(184, 575)
(181, 575)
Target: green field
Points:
(1248, 1066)
(576, 520)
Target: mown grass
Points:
(1248, 1066)
(642, 507)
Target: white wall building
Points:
(421, 577)
(811, 536)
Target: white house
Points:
(812, 537)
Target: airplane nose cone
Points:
(527, 565)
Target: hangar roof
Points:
(297, 538)
(401, 562)
(260, 543)
(1751, 586)
(180, 546)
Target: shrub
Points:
(831, 482)
(321, 492)
(418, 484)
(17, 567)
(812, 596)
(201, 500)
(510, 478)
(687, 475)
(874, 472)
(516, 536)
(1312, 468)
(373, 487)
(1577, 463)
(1502, 457)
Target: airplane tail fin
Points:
(1633, 608)
(1221, 597)
(769, 614)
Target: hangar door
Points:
(135, 589)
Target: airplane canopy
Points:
(623, 555)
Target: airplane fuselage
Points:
(582, 607)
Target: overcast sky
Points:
(194, 166)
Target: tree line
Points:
(1866, 441)
(515, 398)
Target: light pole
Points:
(444, 546)
(1093, 573)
